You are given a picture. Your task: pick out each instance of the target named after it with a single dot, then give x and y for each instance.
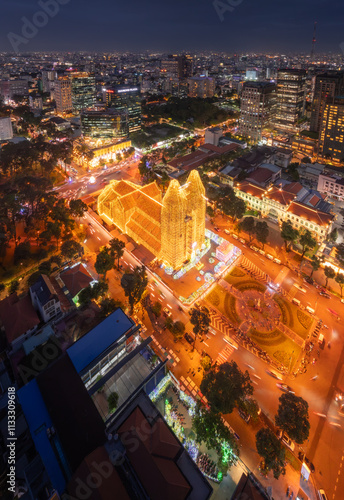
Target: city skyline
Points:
(230, 26)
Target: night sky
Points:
(177, 25)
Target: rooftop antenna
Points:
(313, 41)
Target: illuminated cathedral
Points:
(171, 227)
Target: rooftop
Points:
(18, 316)
(44, 289)
(92, 344)
(76, 278)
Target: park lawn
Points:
(293, 317)
(225, 303)
(279, 347)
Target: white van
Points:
(321, 340)
(269, 256)
(310, 310)
(296, 302)
(322, 495)
(277, 261)
(235, 236)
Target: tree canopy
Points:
(225, 386)
(288, 234)
(292, 417)
(200, 319)
(271, 450)
(134, 284)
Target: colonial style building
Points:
(172, 228)
(283, 204)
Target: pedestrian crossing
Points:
(173, 359)
(224, 355)
(252, 269)
(220, 323)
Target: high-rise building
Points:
(201, 86)
(83, 90)
(258, 107)
(128, 99)
(104, 124)
(291, 88)
(178, 66)
(12, 88)
(48, 78)
(327, 85)
(6, 131)
(63, 95)
(331, 139)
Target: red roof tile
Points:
(76, 278)
(311, 214)
(17, 316)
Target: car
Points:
(217, 229)
(324, 294)
(309, 280)
(255, 249)
(242, 241)
(269, 256)
(189, 339)
(245, 416)
(286, 440)
(303, 458)
(261, 251)
(274, 374)
(235, 236)
(285, 388)
(166, 311)
(300, 288)
(341, 409)
(227, 231)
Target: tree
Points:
(340, 280)
(262, 232)
(77, 208)
(117, 249)
(156, 309)
(248, 225)
(307, 241)
(315, 263)
(333, 235)
(108, 306)
(104, 262)
(178, 329)
(112, 401)
(225, 386)
(22, 251)
(292, 417)
(70, 247)
(200, 318)
(14, 286)
(206, 363)
(249, 406)
(134, 284)
(340, 254)
(271, 450)
(210, 429)
(329, 273)
(288, 234)
(306, 159)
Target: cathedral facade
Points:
(171, 227)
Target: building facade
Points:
(281, 205)
(257, 111)
(6, 130)
(291, 89)
(331, 184)
(201, 86)
(331, 139)
(104, 124)
(83, 90)
(126, 99)
(63, 95)
(172, 228)
(329, 84)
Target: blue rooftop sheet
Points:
(38, 420)
(96, 341)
